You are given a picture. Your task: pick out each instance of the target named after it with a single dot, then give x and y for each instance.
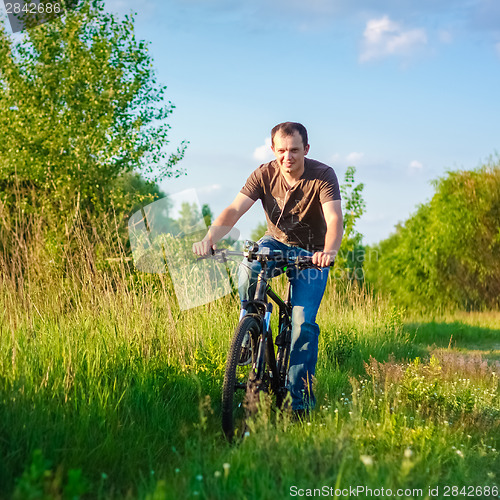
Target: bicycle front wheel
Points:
(239, 370)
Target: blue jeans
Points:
(307, 289)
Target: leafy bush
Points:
(446, 254)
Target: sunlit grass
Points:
(109, 390)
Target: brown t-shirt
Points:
(294, 215)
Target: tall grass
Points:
(108, 390)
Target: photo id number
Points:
(33, 8)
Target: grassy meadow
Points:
(109, 391)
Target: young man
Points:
(301, 199)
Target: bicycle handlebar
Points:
(264, 254)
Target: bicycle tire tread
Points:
(247, 324)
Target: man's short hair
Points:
(289, 128)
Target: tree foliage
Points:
(447, 253)
(81, 114)
(259, 231)
(349, 261)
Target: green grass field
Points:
(107, 390)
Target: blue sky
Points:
(402, 90)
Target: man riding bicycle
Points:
(301, 199)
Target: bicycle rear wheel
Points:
(239, 375)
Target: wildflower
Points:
(460, 454)
(217, 473)
(226, 468)
(408, 453)
(367, 460)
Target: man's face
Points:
(290, 152)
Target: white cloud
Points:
(348, 160)
(445, 36)
(354, 157)
(264, 153)
(478, 16)
(384, 37)
(415, 167)
(211, 189)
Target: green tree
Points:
(349, 261)
(258, 231)
(446, 254)
(207, 214)
(80, 111)
(189, 217)
(402, 265)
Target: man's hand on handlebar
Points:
(323, 259)
(203, 248)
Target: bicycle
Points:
(252, 365)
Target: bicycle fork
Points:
(263, 342)
(283, 341)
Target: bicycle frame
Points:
(261, 308)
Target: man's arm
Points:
(223, 224)
(332, 211)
